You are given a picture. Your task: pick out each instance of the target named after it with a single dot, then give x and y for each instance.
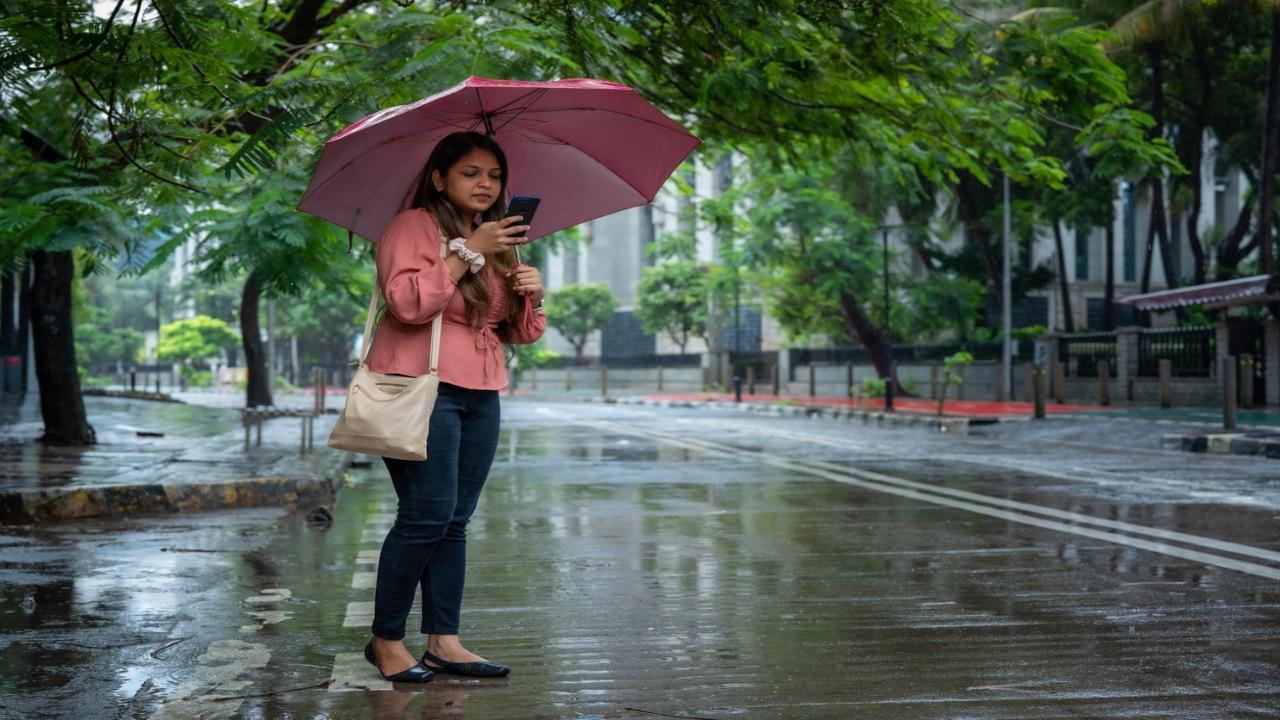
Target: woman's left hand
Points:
(526, 280)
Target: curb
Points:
(1225, 444)
(50, 505)
(953, 425)
(132, 395)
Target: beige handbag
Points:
(389, 415)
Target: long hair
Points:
(473, 286)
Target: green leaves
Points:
(576, 311)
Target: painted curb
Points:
(1225, 444)
(51, 505)
(953, 425)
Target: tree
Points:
(672, 297)
(193, 339)
(576, 311)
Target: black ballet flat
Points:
(416, 674)
(470, 669)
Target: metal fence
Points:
(673, 360)
(1189, 350)
(1082, 353)
(912, 353)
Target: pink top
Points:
(416, 283)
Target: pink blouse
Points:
(416, 283)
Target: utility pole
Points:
(1006, 303)
(888, 342)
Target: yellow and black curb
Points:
(54, 504)
(953, 425)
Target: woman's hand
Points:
(494, 237)
(526, 280)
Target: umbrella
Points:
(587, 147)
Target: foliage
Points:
(576, 311)
(672, 297)
(194, 339)
(873, 387)
(100, 348)
(952, 372)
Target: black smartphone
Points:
(524, 206)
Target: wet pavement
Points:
(642, 562)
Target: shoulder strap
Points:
(436, 323)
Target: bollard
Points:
(659, 378)
(848, 380)
(1104, 382)
(1229, 392)
(1166, 383)
(775, 378)
(1245, 380)
(1059, 382)
(1037, 374)
(157, 382)
(751, 380)
(133, 381)
(302, 440)
(604, 381)
(813, 381)
(737, 388)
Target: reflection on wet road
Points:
(627, 562)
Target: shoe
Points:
(415, 674)
(486, 668)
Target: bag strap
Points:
(436, 323)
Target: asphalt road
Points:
(634, 562)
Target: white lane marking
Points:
(373, 536)
(364, 580)
(1202, 541)
(1090, 475)
(846, 477)
(351, 673)
(216, 675)
(368, 556)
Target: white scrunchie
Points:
(459, 247)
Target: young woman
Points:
(488, 300)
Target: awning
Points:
(1241, 291)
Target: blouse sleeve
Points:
(527, 329)
(415, 280)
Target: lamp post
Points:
(1006, 301)
(888, 342)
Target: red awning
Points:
(1241, 291)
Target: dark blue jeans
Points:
(427, 546)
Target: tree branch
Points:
(93, 47)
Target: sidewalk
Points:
(158, 457)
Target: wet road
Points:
(637, 562)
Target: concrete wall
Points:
(674, 380)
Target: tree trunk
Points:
(258, 391)
(867, 333)
(1231, 251)
(1270, 126)
(1159, 218)
(1109, 294)
(61, 404)
(1068, 322)
(1196, 161)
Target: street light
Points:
(888, 342)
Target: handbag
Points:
(389, 415)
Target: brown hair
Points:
(447, 153)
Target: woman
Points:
(488, 300)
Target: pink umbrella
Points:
(587, 147)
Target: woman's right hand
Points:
(496, 236)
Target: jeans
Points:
(427, 546)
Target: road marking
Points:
(364, 580)
(877, 482)
(351, 673)
(1099, 477)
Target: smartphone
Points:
(524, 206)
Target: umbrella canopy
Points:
(587, 147)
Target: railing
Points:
(1082, 353)
(762, 362)
(1190, 351)
(627, 361)
(914, 353)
